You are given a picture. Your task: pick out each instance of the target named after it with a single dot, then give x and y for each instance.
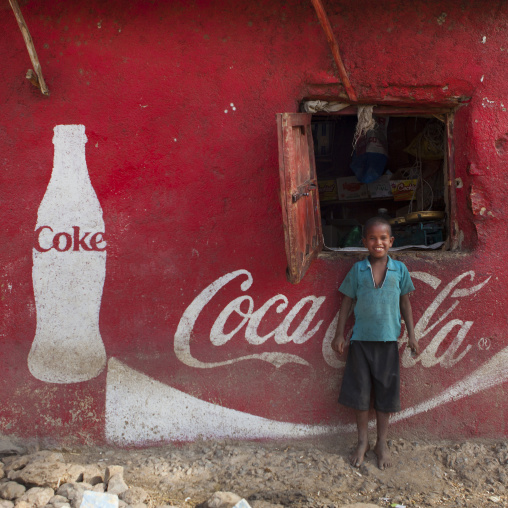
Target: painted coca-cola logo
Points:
(188, 417)
(243, 307)
(63, 241)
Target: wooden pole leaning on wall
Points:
(334, 46)
(36, 78)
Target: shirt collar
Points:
(365, 264)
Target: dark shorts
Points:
(372, 366)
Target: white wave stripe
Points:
(492, 373)
(140, 410)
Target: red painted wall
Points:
(189, 189)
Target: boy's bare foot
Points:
(356, 459)
(384, 457)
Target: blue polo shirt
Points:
(377, 310)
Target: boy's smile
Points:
(378, 240)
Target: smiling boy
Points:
(380, 287)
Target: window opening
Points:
(400, 175)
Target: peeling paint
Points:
(442, 18)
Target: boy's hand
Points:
(413, 345)
(338, 344)
(407, 315)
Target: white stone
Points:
(99, 500)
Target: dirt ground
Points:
(314, 474)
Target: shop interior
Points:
(396, 171)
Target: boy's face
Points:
(378, 240)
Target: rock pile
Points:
(44, 480)
(304, 474)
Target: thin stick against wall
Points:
(334, 46)
(36, 79)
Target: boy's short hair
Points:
(374, 221)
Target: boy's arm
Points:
(339, 342)
(407, 315)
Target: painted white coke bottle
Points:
(69, 268)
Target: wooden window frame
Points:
(298, 184)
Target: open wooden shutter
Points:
(299, 193)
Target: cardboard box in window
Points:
(380, 188)
(403, 190)
(350, 188)
(327, 190)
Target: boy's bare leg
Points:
(362, 423)
(384, 458)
